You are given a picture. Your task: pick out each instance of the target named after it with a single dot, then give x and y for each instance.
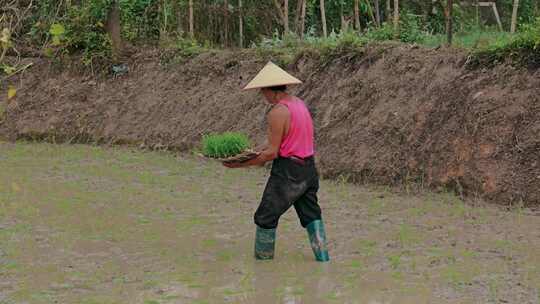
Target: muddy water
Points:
(82, 224)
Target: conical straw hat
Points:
(270, 76)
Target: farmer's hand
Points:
(261, 148)
(233, 165)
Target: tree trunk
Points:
(370, 12)
(164, 25)
(449, 29)
(178, 12)
(303, 19)
(377, 13)
(342, 17)
(240, 24)
(396, 17)
(286, 16)
(114, 29)
(514, 16)
(497, 16)
(299, 4)
(357, 15)
(323, 19)
(191, 27)
(388, 10)
(226, 23)
(477, 14)
(212, 25)
(283, 14)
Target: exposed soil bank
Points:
(387, 115)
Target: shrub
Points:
(410, 31)
(188, 47)
(470, 40)
(179, 50)
(224, 145)
(287, 49)
(383, 33)
(76, 29)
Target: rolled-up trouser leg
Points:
(265, 241)
(317, 240)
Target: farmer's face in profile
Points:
(268, 94)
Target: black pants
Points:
(290, 183)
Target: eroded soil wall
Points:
(387, 115)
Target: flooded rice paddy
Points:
(93, 225)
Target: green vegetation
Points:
(487, 46)
(474, 40)
(224, 145)
(77, 29)
(523, 48)
(185, 27)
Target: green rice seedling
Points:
(367, 247)
(224, 145)
(407, 235)
(395, 261)
(356, 264)
(493, 288)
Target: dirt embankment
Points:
(387, 115)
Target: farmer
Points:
(294, 180)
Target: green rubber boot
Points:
(317, 240)
(265, 241)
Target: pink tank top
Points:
(299, 139)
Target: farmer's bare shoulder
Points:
(278, 112)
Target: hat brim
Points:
(271, 76)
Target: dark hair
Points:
(281, 88)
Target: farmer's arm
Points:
(262, 147)
(277, 119)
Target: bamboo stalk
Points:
(396, 17)
(191, 26)
(514, 16)
(240, 24)
(449, 29)
(357, 15)
(303, 19)
(323, 19)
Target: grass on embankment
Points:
(486, 47)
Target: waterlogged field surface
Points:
(83, 224)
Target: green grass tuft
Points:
(224, 145)
(522, 49)
(474, 40)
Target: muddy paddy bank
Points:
(390, 115)
(84, 224)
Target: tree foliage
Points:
(80, 25)
(523, 48)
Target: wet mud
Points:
(84, 224)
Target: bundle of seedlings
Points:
(229, 147)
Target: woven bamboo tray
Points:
(240, 158)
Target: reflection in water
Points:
(289, 297)
(178, 290)
(182, 234)
(302, 282)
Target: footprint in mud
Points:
(178, 290)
